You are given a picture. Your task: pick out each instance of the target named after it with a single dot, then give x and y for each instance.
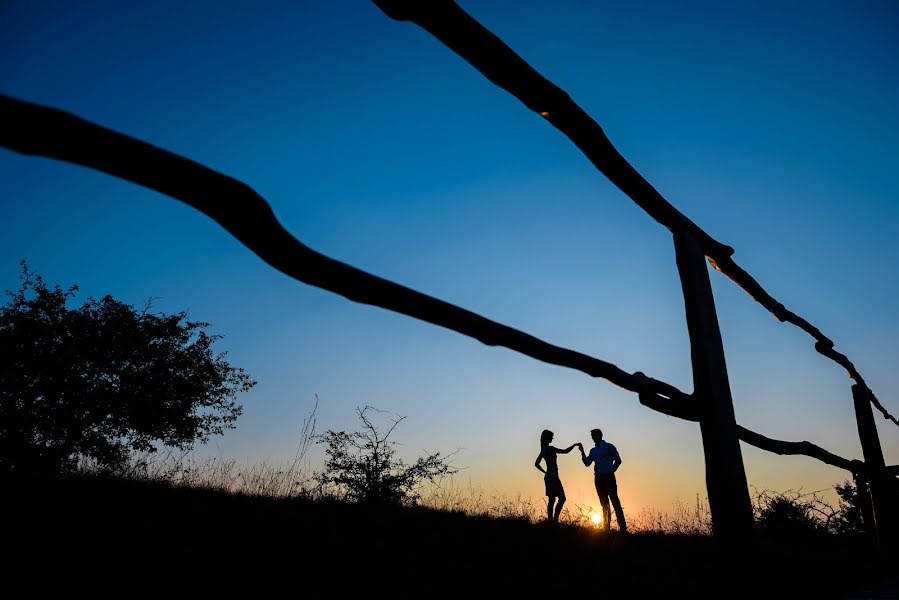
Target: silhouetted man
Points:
(606, 460)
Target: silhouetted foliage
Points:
(363, 464)
(850, 517)
(788, 514)
(104, 379)
(795, 514)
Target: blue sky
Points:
(773, 127)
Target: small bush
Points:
(792, 513)
(363, 464)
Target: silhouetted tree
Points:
(363, 464)
(850, 517)
(104, 379)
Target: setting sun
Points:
(596, 518)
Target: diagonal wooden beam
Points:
(487, 53)
(37, 130)
(798, 448)
(775, 446)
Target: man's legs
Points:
(610, 487)
(619, 513)
(603, 500)
(606, 513)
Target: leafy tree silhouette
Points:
(795, 514)
(363, 464)
(104, 379)
(850, 518)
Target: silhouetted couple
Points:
(605, 460)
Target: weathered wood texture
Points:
(40, 131)
(799, 448)
(460, 32)
(884, 498)
(865, 505)
(725, 476)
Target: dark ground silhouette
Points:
(84, 531)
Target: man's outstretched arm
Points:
(587, 459)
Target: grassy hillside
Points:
(142, 531)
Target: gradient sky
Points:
(772, 126)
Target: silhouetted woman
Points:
(554, 489)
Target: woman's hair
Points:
(544, 438)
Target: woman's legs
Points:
(550, 501)
(559, 508)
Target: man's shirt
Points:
(604, 457)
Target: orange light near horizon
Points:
(596, 518)
(544, 114)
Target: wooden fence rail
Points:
(37, 130)
(724, 467)
(487, 53)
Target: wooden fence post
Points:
(883, 494)
(725, 477)
(864, 501)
